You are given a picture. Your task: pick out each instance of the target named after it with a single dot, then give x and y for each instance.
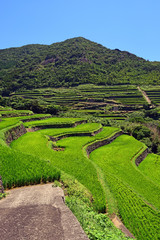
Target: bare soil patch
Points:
(118, 223)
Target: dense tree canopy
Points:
(70, 63)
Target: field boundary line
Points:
(101, 142)
(100, 174)
(54, 125)
(75, 134)
(108, 195)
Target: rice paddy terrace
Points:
(153, 93)
(121, 94)
(38, 148)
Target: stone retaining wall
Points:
(101, 143)
(34, 119)
(54, 139)
(14, 133)
(141, 157)
(65, 125)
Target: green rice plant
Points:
(153, 93)
(82, 128)
(72, 160)
(126, 94)
(130, 187)
(10, 121)
(14, 113)
(34, 116)
(142, 220)
(53, 121)
(117, 158)
(5, 131)
(19, 169)
(7, 122)
(150, 167)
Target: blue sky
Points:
(133, 26)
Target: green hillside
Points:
(38, 148)
(70, 63)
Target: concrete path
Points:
(38, 212)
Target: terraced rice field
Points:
(71, 160)
(131, 188)
(10, 121)
(53, 122)
(153, 93)
(110, 174)
(14, 113)
(151, 168)
(125, 94)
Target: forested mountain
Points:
(72, 62)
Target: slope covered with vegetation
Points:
(115, 184)
(70, 63)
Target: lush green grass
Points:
(129, 186)
(2, 195)
(117, 158)
(5, 131)
(79, 200)
(97, 226)
(37, 116)
(52, 121)
(110, 170)
(5, 108)
(71, 160)
(150, 167)
(14, 113)
(142, 220)
(19, 169)
(7, 122)
(82, 128)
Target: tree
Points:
(141, 132)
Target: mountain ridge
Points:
(72, 62)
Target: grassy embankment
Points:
(97, 226)
(138, 208)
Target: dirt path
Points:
(144, 95)
(118, 223)
(38, 212)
